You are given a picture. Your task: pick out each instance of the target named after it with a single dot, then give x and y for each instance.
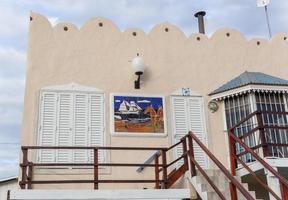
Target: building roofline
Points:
(250, 78)
(3, 180)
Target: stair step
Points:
(166, 194)
(210, 172)
(206, 192)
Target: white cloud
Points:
(53, 20)
(9, 155)
(11, 116)
(12, 63)
(12, 54)
(144, 101)
(13, 23)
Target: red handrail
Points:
(234, 182)
(259, 159)
(234, 158)
(166, 181)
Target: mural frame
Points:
(136, 134)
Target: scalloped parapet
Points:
(42, 23)
(99, 44)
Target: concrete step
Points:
(214, 196)
(52, 194)
(206, 192)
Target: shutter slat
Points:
(197, 125)
(47, 136)
(80, 126)
(180, 121)
(96, 124)
(64, 126)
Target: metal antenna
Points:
(268, 22)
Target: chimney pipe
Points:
(200, 15)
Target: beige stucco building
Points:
(73, 70)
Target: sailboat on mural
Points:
(131, 112)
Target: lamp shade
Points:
(138, 64)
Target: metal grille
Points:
(274, 102)
(236, 109)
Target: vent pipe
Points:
(200, 15)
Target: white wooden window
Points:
(70, 118)
(188, 114)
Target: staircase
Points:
(206, 192)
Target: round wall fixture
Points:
(213, 106)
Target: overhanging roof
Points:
(3, 180)
(250, 78)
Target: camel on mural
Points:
(153, 115)
(160, 114)
(156, 117)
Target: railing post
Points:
(233, 165)
(24, 168)
(95, 169)
(164, 171)
(262, 134)
(30, 171)
(157, 186)
(191, 154)
(284, 191)
(185, 153)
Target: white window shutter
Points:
(197, 126)
(188, 114)
(80, 126)
(180, 124)
(47, 128)
(96, 124)
(70, 119)
(64, 127)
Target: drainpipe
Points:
(200, 15)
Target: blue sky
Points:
(14, 16)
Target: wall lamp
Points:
(138, 66)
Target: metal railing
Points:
(266, 146)
(160, 167)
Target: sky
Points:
(242, 15)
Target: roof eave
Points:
(249, 88)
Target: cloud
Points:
(9, 154)
(144, 101)
(53, 20)
(12, 62)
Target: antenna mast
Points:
(268, 21)
(264, 3)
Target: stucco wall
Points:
(101, 57)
